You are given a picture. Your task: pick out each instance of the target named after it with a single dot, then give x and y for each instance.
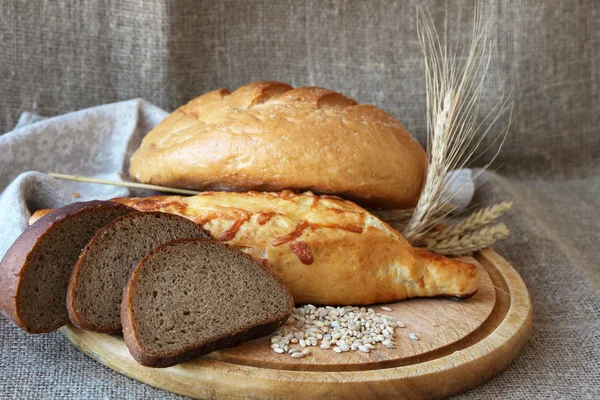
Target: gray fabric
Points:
(59, 56)
(95, 142)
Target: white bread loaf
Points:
(269, 136)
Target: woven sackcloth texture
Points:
(60, 56)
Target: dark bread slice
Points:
(191, 297)
(34, 273)
(99, 276)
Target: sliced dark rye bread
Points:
(191, 297)
(99, 276)
(34, 273)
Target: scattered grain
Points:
(363, 348)
(338, 328)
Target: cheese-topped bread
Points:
(270, 136)
(325, 249)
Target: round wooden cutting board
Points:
(461, 345)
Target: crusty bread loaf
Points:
(101, 272)
(325, 249)
(35, 271)
(270, 136)
(193, 296)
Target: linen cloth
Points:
(66, 55)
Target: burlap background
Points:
(58, 56)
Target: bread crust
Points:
(15, 260)
(269, 136)
(355, 258)
(148, 359)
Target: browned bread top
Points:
(101, 272)
(35, 271)
(193, 296)
(270, 136)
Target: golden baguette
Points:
(325, 249)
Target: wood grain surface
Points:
(475, 339)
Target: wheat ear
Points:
(399, 219)
(460, 245)
(475, 221)
(454, 132)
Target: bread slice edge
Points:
(162, 361)
(15, 260)
(76, 317)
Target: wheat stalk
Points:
(454, 131)
(133, 185)
(460, 245)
